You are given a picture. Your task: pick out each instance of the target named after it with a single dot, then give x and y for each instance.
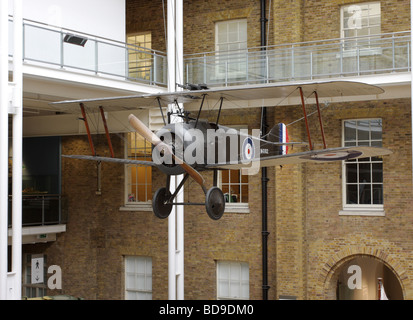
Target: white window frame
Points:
(134, 205)
(140, 55)
(226, 64)
(360, 209)
(236, 207)
(138, 268)
(235, 276)
(357, 20)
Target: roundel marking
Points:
(248, 151)
(334, 156)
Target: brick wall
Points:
(308, 239)
(313, 240)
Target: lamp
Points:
(74, 39)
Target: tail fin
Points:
(279, 134)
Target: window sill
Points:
(362, 212)
(144, 206)
(237, 207)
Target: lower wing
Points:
(108, 159)
(324, 155)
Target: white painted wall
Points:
(102, 18)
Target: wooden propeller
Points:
(145, 132)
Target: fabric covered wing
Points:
(108, 159)
(268, 94)
(325, 155)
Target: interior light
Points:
(74, 39)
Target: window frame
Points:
(351, 44)
(231, 63)
(361, 209)
(241, 281)
(145, 274)
(136, 205)
(140, 67)
(236, 207)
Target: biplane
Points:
(193, 144)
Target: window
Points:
(231, 35)
(140, 57)
(138, 178)
(232, 280)
(234, 185)
(138, 278)
(231, 45)
(33, 290)
(361, 19)
(363, 178)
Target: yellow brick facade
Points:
(309, 240)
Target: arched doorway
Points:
(367, 278)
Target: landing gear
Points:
(215, 203)
(160, 203)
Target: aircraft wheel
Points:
(215, 203)
(160, 208)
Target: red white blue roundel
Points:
(248, 151)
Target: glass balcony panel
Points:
(42, 45)
(79, 57)
(111, 59)
(379, 54)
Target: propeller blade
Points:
(145, 132)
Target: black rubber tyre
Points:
(215, 203)
(160, 208)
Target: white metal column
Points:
(179, 72)
(4, 134)
(176, 218)
(14, 290)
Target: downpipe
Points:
(264, 178)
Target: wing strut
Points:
(320, 119)
(305, 117)
(89, 136)
(200, 108)
(219, 111)
(107, 131)
(160, 108)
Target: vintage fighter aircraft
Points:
(175, 144)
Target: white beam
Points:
(14, 292)
(180, 197)
(176, 218)
(4, 127)
(171, 87)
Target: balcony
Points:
(41, 210)
(48, 46)
(315, 60)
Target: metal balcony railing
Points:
(378, 54)
(42, 210)
(343, 57)
(68, 49)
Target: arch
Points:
(332, 269)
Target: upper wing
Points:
(332, 154)
(116, 160)
(251, 95)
